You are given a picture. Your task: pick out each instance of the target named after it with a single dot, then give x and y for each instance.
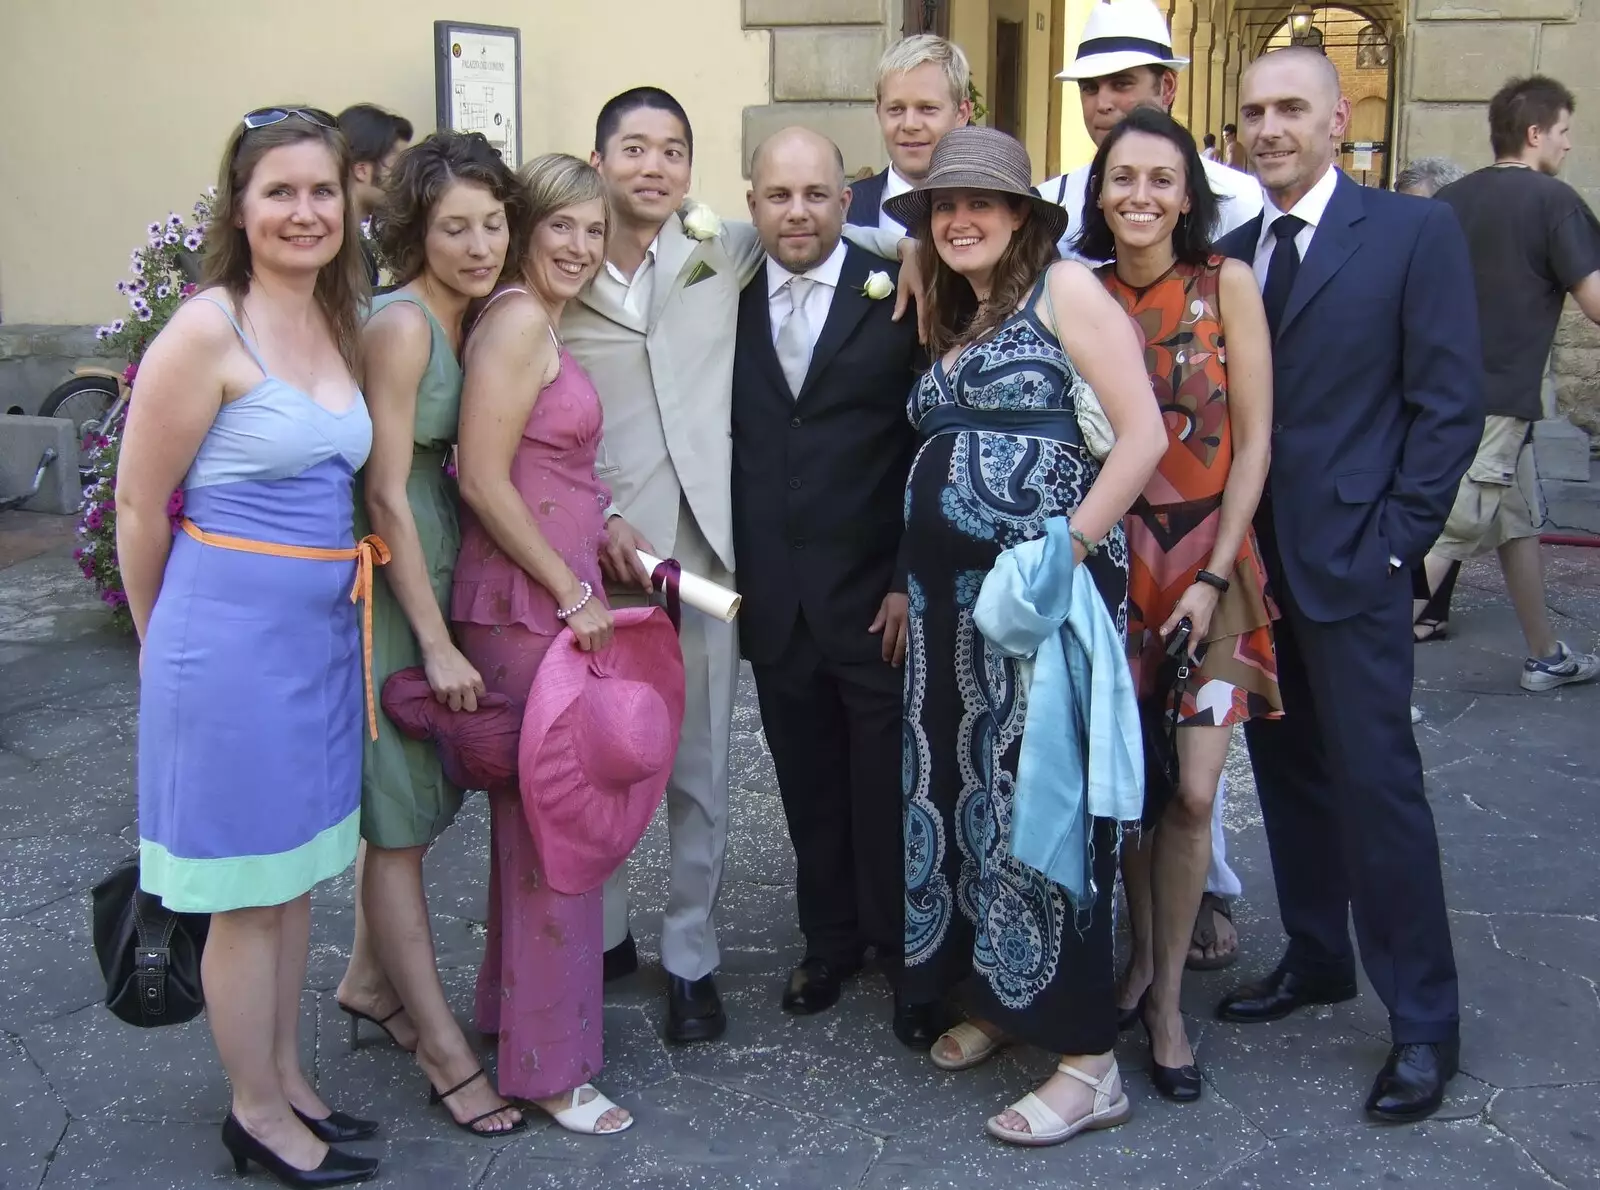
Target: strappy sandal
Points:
(357, 1016)
(1204, 936)
(976, 1047)
(1426, 630)
(436, 1097)
(584, 1118)
(1111, 1107)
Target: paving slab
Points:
(32, 1118)
(1558, 1126)
(1430, 1156)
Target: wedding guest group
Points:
(1030, 496)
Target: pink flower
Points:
(94, 520)
(188, 289)
(114, 599)
(175, 505)
(130, 373)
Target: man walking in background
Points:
(1533, 241)
(377, 138)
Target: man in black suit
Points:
(924, 86)
(821, 449)
(1378, 408)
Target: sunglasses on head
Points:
(264, 116)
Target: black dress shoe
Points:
(919, 1025)
(814, 986)
(1411, 1084)
(336, 1128)
(338, 1168)
(621, 960)
(694, 1010)
(1279, 994)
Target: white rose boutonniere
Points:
(701, 223)
(878, 286)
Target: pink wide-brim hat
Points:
(599, 737)
(477, 749)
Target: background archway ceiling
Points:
(1262, 17)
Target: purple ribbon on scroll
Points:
(664, 579)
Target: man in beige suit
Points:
(655, 331)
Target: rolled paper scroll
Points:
(701, 594)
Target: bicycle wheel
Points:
(84, 401)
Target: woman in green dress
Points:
(446, 230)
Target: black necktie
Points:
(1282, 269)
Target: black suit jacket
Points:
(819, 480)
(1377, 394)
(866, 200)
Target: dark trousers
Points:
(834, 729)
(1348, 826)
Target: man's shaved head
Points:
(795, 141)
(798, 197)
(1291, 120)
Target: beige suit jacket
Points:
(666, 380)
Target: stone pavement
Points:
(830, 1101)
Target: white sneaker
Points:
(1416, 715)
(1571, 667)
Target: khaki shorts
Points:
(1499, 500)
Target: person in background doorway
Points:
(924, 84)
(1124, 61)
(1209, 152)
(377, 138)
(1232, 151)
(1533, 242)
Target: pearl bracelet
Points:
(565, 614)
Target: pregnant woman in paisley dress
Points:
(1013, 333)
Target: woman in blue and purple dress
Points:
(251, 702)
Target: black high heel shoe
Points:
(336, 1128)
(337, 1169)
(1181, 1084)
(357, 1016)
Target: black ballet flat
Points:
(1180, 1084)
(336, 1128)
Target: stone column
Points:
(824, 74)
(1230, 81)
(1220, 114)
(1182, 41)
(1199, 55)
(1461, 53)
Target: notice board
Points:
(477, 72)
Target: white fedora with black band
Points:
(1122, 35)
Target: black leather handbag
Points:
(150, 956)
(1158, 721)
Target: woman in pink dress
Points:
(532, 528)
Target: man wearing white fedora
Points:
(1124, 61)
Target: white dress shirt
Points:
(633, 294)
(893, 186)
(818, 302)
(1310, 208)
(1238, 201)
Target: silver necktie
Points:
(794, 337)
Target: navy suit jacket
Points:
(1377, 394)
(866, 200)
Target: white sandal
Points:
(1111, 1107)
(584, 1118)
(975, 1046)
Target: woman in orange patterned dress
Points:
(1192, 553)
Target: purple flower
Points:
(94, 520)
(142, 314)
(155, 229)
(116, 326)
(173, 220)
(138, 266)
(163, 292)
(114, 599)
(172, 237)
(193, 241)
(101, 332)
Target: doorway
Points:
(1005, 100)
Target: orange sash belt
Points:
(367, 553)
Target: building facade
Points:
(132, 131)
